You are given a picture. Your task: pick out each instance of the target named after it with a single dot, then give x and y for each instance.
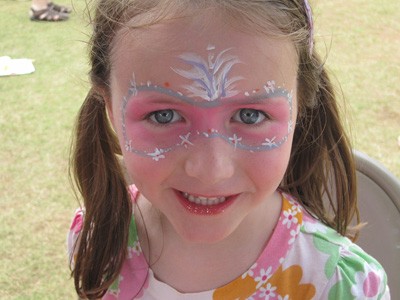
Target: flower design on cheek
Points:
(270, 142)
(235, 140)
(157, 154)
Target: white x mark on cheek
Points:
(185, 140)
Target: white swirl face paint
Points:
(210, 78)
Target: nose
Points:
(210, 161)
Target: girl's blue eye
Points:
(164, 116)
(249, 116)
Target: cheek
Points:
(139, 168)
(268, 167)
(142, 170)
(145, 139)
(149, 174)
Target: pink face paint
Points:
(157, 119)
(189, 120)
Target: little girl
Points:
(230, 140)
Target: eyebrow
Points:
(174, 94)
(248, 99)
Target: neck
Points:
(194, 267)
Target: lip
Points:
(205, 210)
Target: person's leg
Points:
(59, 8)
(43, 10)
(39, 4)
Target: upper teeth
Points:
(204, 200)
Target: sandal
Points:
(47, 14)
(60, 8)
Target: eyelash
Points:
(238, 114)
(152, 117)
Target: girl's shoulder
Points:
(77, 226)
(350, 272)
(73, 234)
(134, 269)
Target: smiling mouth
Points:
(204, 200)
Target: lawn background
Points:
(361, 37)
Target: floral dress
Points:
(303, 259)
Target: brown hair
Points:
(321, 154)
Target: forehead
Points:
(152, 53)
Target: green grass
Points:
(362, 38)
(37, 113)
(38, 110)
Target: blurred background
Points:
(361, 42)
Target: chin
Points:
(204, 233)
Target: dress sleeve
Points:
(357, 276)
(73, 235)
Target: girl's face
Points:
(204, 114)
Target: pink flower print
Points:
(368, 284)
(267, 291)
(250, 271)
(263, 277)
(114, 288)
(293, 234)
(312, 226)
(135, 249)
(77, 222)
(295, 205)
(290, 218)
